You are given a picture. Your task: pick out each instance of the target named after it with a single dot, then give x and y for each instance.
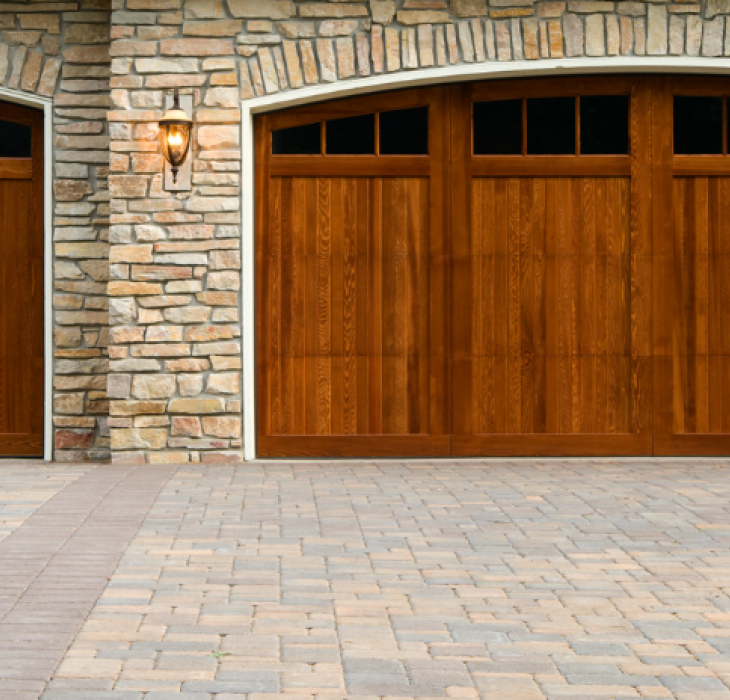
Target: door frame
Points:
(45, 104)
(384, 83)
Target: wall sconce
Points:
(175, 133)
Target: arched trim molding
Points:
(398, 81)
(46, 104)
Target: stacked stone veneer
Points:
(174, 382)
(60, 50)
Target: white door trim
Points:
(382, 83)
(46, 104)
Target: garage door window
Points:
(698, 125)
(351, 135)
(14, 140)
(404, 132)
(587, 125)
(303, 140)
(604, 125)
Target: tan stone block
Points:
(474, 8)
(153, 386)
(215, 28)
(309, 63)
(186, 425)
(188, 365)
(31, 71)
(82, 250)
(224, 383)
(135, 408)
(416, 17)
(46, 22)
(148, 273)
(163, 334)
(121, 334)
(136, 439)
(550, 9)
(98, 270)
(196, 47)
(297, 30)
(119, 386)
(147, 162)
(208, 333)
(218, 298)
(127, 186)
(67, 337)
(573, 32)
(161, 350)
(218, 137)
(217, 349)
(223, 79)
(16, 38)
(339, 9)
(153, 4)
(224, 97)
(87, 54)
(595, 35)
(222, 426)
(264, 9)
(131, 254)
(658, 24)
(69, 403)
(199, 406)
(338, 27)
(158, 302)
(122, 288)
(87, 34)
(383, 11)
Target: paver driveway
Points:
(504, 579)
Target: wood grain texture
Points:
(21, 293)
(551, 292)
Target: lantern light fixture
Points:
(175, 130)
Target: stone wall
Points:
(174, 382)
(61, 50)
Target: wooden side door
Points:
(352, 287)
(551, 284)
(692, 279)
(21, 281)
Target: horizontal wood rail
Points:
(16, 169)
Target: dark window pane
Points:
(15, 140)
(697, 125)
(551, 125)
(351, 136)
(498, 128)
(404, 132)
(604, 124)
(297, 140)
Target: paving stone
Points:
(516, 579)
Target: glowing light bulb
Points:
(175, 139)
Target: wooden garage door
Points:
(21, 281)
(353, 280)
(538, 268)
(692, 213)
(551, 246)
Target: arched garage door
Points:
(533, 267)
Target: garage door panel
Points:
(354, 302)
(701, 394)
(548, 345)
